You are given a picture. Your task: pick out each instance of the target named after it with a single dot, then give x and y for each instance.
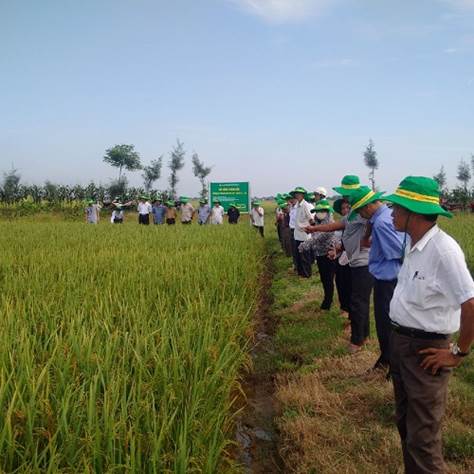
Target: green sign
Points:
(231, 193)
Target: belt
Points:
(417, 333)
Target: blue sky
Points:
(277, 92)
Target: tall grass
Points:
(121, 345)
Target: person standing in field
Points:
(319, 246)
(171, 213)
(338, 254)
(319, 194)
(257, 217)
(433, 299)
(292, 206)
(303, 219)
(217, 213)
(384, 261)
(361, 279)
(233, 214)
(92, 212)
(204, 211)
(144, 210)
(117, 214)
(158, 210)
(187, 211)
(285, 229)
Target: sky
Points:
(276, 92)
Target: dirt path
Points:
(256, 433)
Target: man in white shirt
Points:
(257, 217)
(187, 211)
(144, 209)
(303, 219)
(433, 299)
(217, 213)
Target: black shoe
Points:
(325, 306)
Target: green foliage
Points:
(440, 178)
(175, 164)
(464, 173)
(123, 157)
(371, 161)
(152, 173)
(201, 172)
(109, 365)
(10, 188)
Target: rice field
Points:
(121, 346)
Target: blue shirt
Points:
(386, 248)
(203, 213)
(158, 213)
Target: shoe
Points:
(325, 306)
(353, 348)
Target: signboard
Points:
(231, 193)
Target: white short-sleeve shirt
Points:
(257, 216)
(432, 284)
(303, 217)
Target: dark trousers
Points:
(260, 229)
(362, 283)
(344, 286)
(420, 400)
(383, 292)
(327, 268)
(144, 219)
(303, 261)
(294, 249)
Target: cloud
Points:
(282, 11)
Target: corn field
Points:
(121, 346)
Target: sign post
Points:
(236, 193)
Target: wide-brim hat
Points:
(337, 205)
(184, 199)
(360, 198)
(420, 195)
(256, 203)
(215, 201)
(202, 201)
(118, 205)
(322, 206)
(349, 184)
(170, 203)
(298, 190)
(321, 191)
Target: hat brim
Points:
(355, 210)
(330, 209)
(417, 207)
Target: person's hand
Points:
(332, 254)
(309, 229)
(437, 359)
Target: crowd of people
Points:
(168, 212)
(423, 293)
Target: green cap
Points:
(202, 201)
(349, 184)
(256, 203)
(300, 190)
(170, 203)
(184, 199)
(420, 195)
(322, 206)
(360, 198)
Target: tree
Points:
(371, 161)
(123, 156)
(118, 188)
(11, 181)
(201, 172)
(152, 173)
(175, 164)
(440, 178)
(464, 174)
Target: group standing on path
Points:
(423, 292)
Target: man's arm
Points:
(325, 227)
(437, 358)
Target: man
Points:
(233, 214)
(320, 193)
(171, 213)
(384, 261)
(158, 210)
(92, 212)
(217, 213)
(303, 219)
(187, 211)
(361, 279)
(144, 210)
(204, 211)
(292, 205)
(257, 217)
(434, 297)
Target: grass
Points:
(122, 346)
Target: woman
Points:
(285, 231)
(319, 245)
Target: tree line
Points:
(126, 159)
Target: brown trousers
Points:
(420, 399)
